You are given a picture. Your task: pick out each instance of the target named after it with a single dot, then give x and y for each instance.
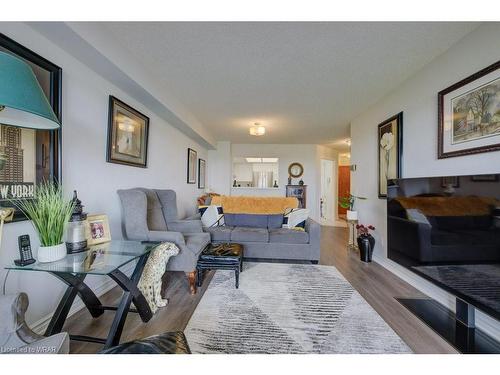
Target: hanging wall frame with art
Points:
(128, 132)
(201, 173)
(390, 150)
(469, 115)
(30, 156)
(191, 166)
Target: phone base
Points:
(21, 263)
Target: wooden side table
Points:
(352, 243)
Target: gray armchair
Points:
(17, 337)
(151, 215)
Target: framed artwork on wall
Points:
(30, 156)
(128, 132)
(469, 115)
(453, 181)
(201, 173)
(390, 150)
(191, 166)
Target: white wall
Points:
(219, 168)
(85, 114)
(417, 98)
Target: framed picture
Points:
(201, 173)
(448, 181)
(97, 230)
(30, 156)
(128, 132)
(191, 166)
(469, 115)
(390, 150)
(485, 178)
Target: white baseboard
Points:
(483, 321)
(41, 324)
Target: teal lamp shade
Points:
(25, 104)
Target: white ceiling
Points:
(303, 81)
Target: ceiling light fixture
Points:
(257, 130)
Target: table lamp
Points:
(23, 104)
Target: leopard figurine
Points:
(150, 282)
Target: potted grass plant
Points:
(49, 213)
(348, 204)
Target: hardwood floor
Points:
(376, 284)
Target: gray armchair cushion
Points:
(185, 226)
(155, 218)
(168, 200)
(283, 235)
(244, 234)
(220, 234)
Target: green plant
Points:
(48, 211)
(348, 202)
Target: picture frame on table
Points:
(390, 151)
(192, 156)
(97, 229)
(128, 133)
(469, 115)
(201, 173)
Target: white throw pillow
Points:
(414, 214)
(295, 217)
(211, 216)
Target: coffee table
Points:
(104, 259)
(221, 256)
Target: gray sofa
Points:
(264, 238)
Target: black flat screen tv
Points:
(447, 230)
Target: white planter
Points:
(352, 215)
(51, 253)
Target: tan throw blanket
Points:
(254, 205)
(449, 206)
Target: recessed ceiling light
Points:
(257, 129)
(269, 160)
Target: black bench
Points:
(223, 256)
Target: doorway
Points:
(344, 187)
(328, 199)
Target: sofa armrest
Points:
(314, 229)
(409, 238)
(185, 226)
(164, 236)
(196, 216)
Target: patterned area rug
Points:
(287, 308)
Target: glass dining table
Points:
(106, 260)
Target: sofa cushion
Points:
(246, 220)
(220, 234)
(274, 221)
(283, 235)
(246, 234)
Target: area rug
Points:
(287, 308)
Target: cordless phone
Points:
(25, 251)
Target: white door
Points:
(327, 197)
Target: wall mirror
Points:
(30, 156)
(295, 170)
(255, 172)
